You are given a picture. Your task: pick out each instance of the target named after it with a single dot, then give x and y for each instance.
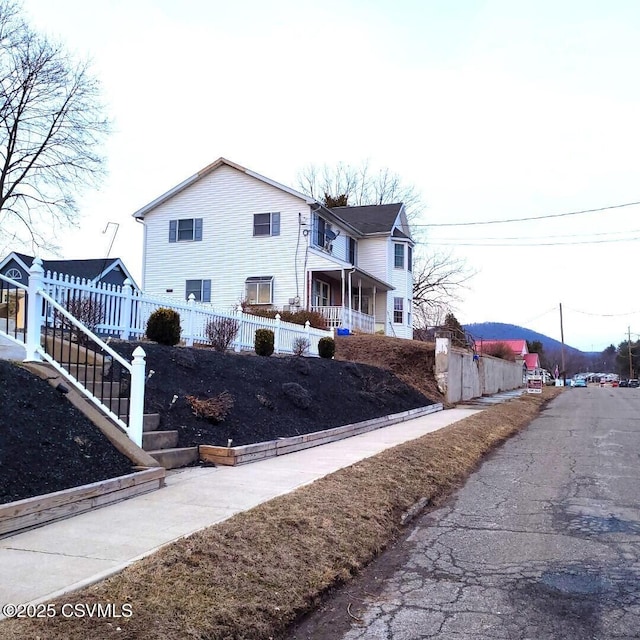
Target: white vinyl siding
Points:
(226, 200)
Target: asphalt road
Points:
(542, 542)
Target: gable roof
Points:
(140, 213)
(519, 347)
(532, 361)
(371, 218)
(89, 269)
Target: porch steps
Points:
(160, 445)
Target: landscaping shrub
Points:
(326, 347)
(163, 326)
(214, 409)
(264, 342)
(222, 332)
(300, 346)
(87, 310)
(316, 320)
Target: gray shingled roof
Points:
(373, 218)
(87, 269)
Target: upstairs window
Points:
(398, 256)
(266, 224)
(185, 230)
(259, 290)
(353, 249)
(319, 237)
(409, 259)
(201, 289)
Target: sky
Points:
(492, 110)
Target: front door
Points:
(321, 292)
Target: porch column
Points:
(344, 292)
(360, 295)
(350, 299)
(375, 291)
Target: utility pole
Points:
(629, 346)
(562, 341)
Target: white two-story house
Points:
(229, 235)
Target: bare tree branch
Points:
(51, 130)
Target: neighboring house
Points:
(519, 347)
(228, 235)
(94, 270)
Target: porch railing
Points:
(348, 318)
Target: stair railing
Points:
(53, 334)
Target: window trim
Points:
(14, 273)
(258, 280)
(274, 224)
(174, 230)
(204, 295)
(398, 310)
(397, 245)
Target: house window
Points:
(14, 274)
(321, 293)
(185, 230)
(201, 289)
(409, 259)
(259, 290)
(353, 246)
(398, 309)
(398, 256)
(266, 224)
(323, 235)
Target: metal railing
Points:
(52, 333)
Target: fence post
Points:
(237, 344)
(189, 336)
(125, 310)
(307, 331)
(34, 312)
(136, 398)
(276, 345)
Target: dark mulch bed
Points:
(272, 397)
(46, 444)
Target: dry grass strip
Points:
(252, 575)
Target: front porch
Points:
(348, 298)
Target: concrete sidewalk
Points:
(64, 556)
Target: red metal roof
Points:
(519, 347)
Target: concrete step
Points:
(174, 458)
(151, 422)
(153, 440)
(106, 388)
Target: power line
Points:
(547, 237)
(527, 244)
(543, 217)
(604, 315)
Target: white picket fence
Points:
(124, 313)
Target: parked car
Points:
(580, 382)
(634, 383)
(624, 383)
(615, 383)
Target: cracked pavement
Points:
(542, 542)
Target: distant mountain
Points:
(501, 331)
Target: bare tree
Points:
(359, 186)
(51, 130)
(438, 281)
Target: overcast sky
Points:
(493, 110)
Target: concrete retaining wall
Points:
(461, 375)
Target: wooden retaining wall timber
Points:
(232, 456)
(32, 512)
